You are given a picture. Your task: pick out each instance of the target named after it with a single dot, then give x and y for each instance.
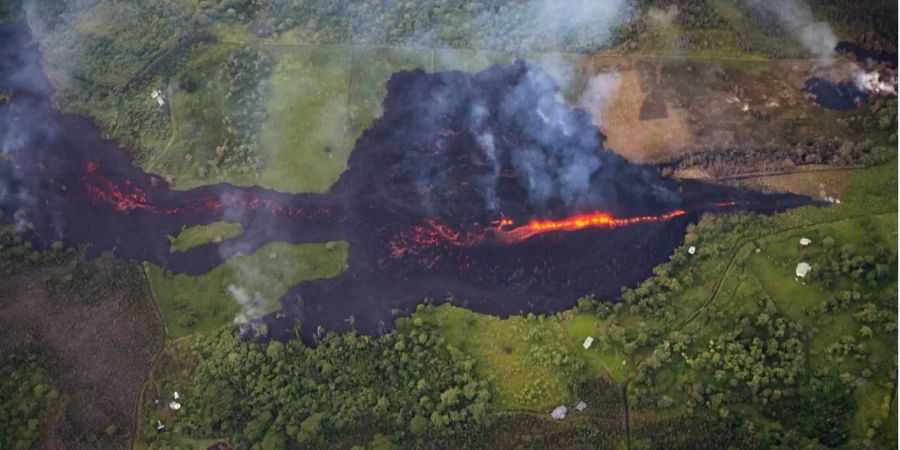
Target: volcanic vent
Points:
(484, 188)
(487, 189)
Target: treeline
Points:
(408, 385)
(504, 25)
(875, 126)
(756, 359)
(27, 397)
(18, 253)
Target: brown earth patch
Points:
(95, 331)
(662, 134)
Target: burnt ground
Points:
(452, 154)
(93, 327)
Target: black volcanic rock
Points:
(453, 153)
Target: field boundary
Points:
(139, 402)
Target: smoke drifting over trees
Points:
(797, 17)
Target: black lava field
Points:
(483, 188)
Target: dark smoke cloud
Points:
(518, 135)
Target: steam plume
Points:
(796, 16)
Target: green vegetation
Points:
(18, 254)
(410, 383)
(204, 234)
(532, 362)
(27, 397)
(372, 67)
(304, 141)
(722, 348)
(244, 286)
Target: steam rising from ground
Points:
(252, 306)
(797, 17)
(18, 135)
(821, 41)
(599, 92)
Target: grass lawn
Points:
(304, 142)
(372, 68)
(533, 363)
(196, 304)
(204, 234)
(467, 60)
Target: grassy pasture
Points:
(304, 142)
(533, 362)
(196, 304)
(204, 234)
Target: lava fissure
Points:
(467, 187)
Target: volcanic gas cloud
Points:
(484, 188)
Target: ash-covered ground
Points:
(438, 201)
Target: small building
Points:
(588, 341)
(581, 406)
(156, 95)
(559, 413)
(159, 426)
(692, 250)
(175, 405)
(805, 241)
(175, 394)
(803, 269)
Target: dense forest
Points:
(409, 385)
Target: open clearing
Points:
(206, 302)
(205, 234)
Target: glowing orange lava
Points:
(600, 219)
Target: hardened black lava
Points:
(420, 204)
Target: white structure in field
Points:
(692, 250)
(559, 413)
(588, 341)
(581, 406)
(159, 425)
(805, 241)
(803, 269)
(175, 405)
(156, 95)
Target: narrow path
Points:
(174, 122)
(139, 401)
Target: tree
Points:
(418, 426)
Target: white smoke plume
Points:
(873, 83)
(796, 16)
(252, 306)
(598, 93)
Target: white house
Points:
(559, 413)
(803, 269)
(588, 341)
(692, 250)
(581, 406)
(156, 95)
(805, 241)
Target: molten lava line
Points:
(125, 197)
(600, 219)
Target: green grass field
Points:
(304, 141)
(204, 234)
(532, 362)
(196, 304)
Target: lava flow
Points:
(599, 219)
(418, 203)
